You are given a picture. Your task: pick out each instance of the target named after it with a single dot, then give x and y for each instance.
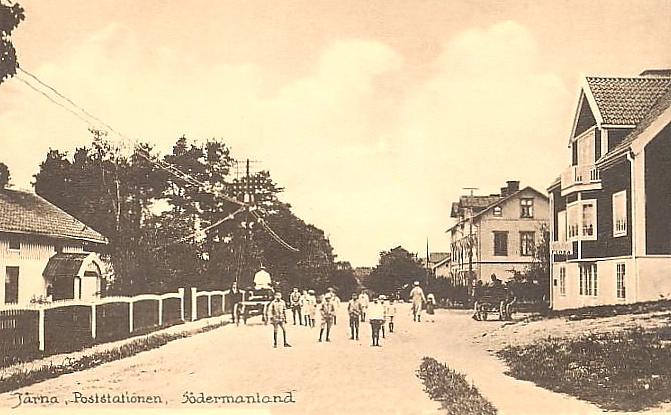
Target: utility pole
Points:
(470, 236)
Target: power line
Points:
(157, 162)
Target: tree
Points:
(4, 175)
(396, 271)
(533, 283)
(10, 17)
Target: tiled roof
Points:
(435, 257)
(625, 101)
(26, 212)
(476, 202)
(661, 106)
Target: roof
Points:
(626, 101)
(476, 203)
(661, 106)
(27, 213)
(65, 264)
(435, 257)
(497, 200)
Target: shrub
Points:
(449, 387)
(623, 371)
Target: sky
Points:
(373, 115)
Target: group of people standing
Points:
(310, 310)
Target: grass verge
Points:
(452, 390)
(29, 376)
(628, 370)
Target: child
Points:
(312, 307)
(327, 310)
(391, 313)
(383, 301)
(294, 301)
(376, 318)
(304, 303)
(277, 311)
(354, 311)
(430, 307)
(364, 300)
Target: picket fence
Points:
(68, 325)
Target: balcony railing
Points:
(576, 175)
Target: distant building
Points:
(611, 208)
(495, 234)
(44, 252)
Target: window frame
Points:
(618, 233)
(8, 281)
(532, 248)
(504, 252)
(579, 236)
(621, 280)
(527, 207)
(589, 279)
(562, 280)
(497, 211)
(13, 242)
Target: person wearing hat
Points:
(311, 307)
(327, 310)
(294, 303)
(376, 318)
(354, 310)
(277, 314)
(336, 304)
(418, 299)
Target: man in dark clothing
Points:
(235, 297)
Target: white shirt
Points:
(262, 279)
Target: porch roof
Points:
(65, 265)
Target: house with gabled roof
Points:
(496, 234)
(611, 208)
(45, 253)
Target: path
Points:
(340, 377)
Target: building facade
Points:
(45, 254)
(611, 208)
(496, 234)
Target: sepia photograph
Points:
(410, 207)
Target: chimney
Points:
(513, 186)
(504, 191)
(656, 73)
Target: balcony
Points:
(561, 247)
(580, 175)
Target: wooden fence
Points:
(68, 325)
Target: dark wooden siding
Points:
(658, 193)
(613, 180)
(559, 205)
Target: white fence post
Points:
(160, 311)
(181, 307)
(194, 304)
(130, 316)
(94, 321)
(40, 328)
(209, 305)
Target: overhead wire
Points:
(155, 161)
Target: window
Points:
(573, 221)
(498, 211)
(501, 243)
(588, 279)
(14, 242)
(620, 274)
(527, 243)
(11, 285)
(581, 220)
(561, 226)
(620, 213)
(562, 280)
(588, 219)
(527, 208)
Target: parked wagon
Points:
(499, 300)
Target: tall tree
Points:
(10, 17)
(397, 269)
(4, 175)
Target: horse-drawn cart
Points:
(494, 300)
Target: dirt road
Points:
(340, 377)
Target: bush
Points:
(449, 387)
(623, 371)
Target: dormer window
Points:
(498, 211)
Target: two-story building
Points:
(45, 253)
(496, 234)
(611, 208)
